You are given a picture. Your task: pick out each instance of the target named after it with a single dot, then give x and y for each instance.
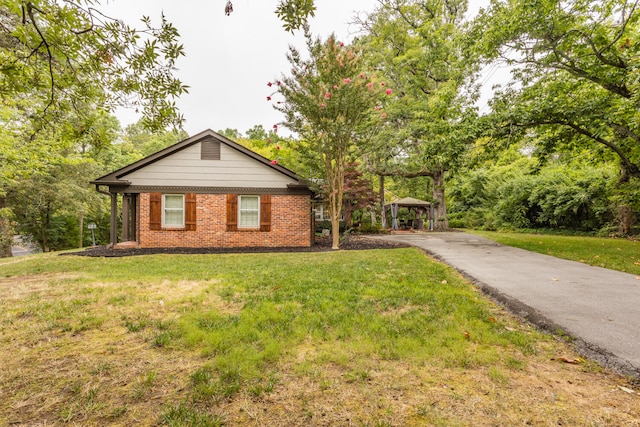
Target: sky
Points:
(230, 59)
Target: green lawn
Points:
(382, 337)
(615, 254)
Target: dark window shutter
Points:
(155, 211)
(265, 212)
(232, 212)
(190, 211)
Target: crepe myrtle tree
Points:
(335, 107)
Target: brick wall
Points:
(290, 225)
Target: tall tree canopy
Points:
(577, 72)
(419, 45)
(66, 55)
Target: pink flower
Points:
(275, 127)
(369, 85)
(362, 75)
(341, 44)
(341, 64)
(269, 84)
(383, 84)
(383, 115)
(377, 108)
(274, 162)
(279, 82)
(268, 98)
(335, 86)
(347, 80)
(277, 147)
(323, 105)
(388, 91)
(327, 95)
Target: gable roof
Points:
(115, 178)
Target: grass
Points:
(615, 254)
(384, 337)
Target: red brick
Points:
(290, 225)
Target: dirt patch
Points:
(20, 287)
(321, 244)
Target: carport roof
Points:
(409, 201)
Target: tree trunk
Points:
(440, 221)
(80, 231)
(625, 220)
(381, 196)
(45, 229)
(6, 230)
(348, 216)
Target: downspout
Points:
(113, 226)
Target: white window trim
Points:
(164, 210)
(240, 211)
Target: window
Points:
(173, 211)
(248, 211)
(321, 214)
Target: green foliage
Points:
(147, 142)
(334, 104)
(294, 13)
(67, 56)
(574, 76)
(517, 196)
(421, 48)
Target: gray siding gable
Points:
(181, 165)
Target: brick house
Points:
(207, 191)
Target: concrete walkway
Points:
(597, 307)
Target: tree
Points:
(68, 55)
(334, 106)
(577, 69)
(576, 75)
(147, 142)
(420, 47)
(293, 13)
(358, 192)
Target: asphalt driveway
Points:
(598, 308)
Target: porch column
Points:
(113, 228)
(125, 217)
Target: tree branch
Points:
(30, 9)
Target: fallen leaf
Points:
(467, 335)
(510, 329)
(276, 288)
(492, 319)
(626, 390)
(575, 361)
(444, 282)
(554, 279)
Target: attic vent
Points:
(210, 150)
